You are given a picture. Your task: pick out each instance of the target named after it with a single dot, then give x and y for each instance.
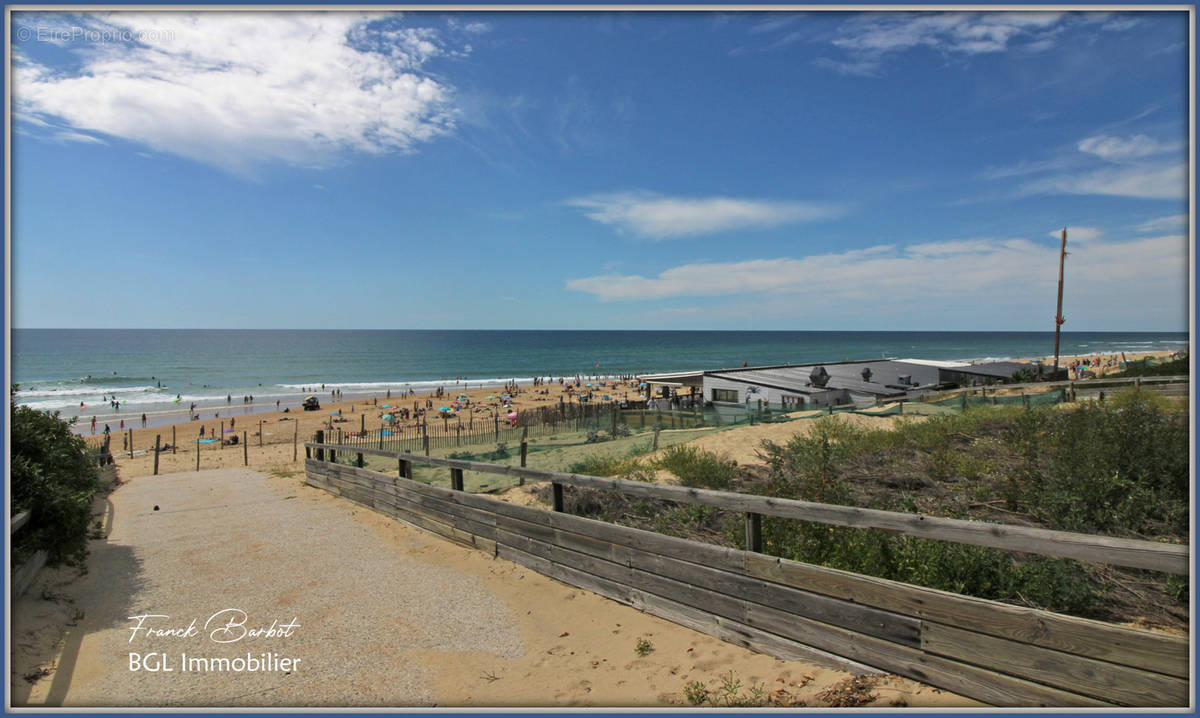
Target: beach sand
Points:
(588, 662)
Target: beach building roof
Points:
(676, 378)
(887, 377)
(997, 369)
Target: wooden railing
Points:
(1131, 553)
(23, 575)
(994, 652)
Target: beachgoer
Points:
(93, 425)
(122, 424)
(143, 420)
(106, 432)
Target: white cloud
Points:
(656, 217)
(1117, 148)
(239, 89)
(1172, 223)
(972, 272)
(1147, 182)
(1077, 234)
(869, 40)
(873, 35)
(68, 136)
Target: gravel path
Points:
(234, 539)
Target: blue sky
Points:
(635, 170)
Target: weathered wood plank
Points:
(983, 685)
(1106, 681)
(462, 523)
(740, 634)
(19, 521)
(1149, 555)
(1117, 644)
(23, 575)
(684, 549)
(580, 579)
(889, 626)
(883, 624)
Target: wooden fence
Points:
(997, 653)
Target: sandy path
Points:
(388, 616)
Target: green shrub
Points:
(613, 466)
(54, 477)
(696, 467)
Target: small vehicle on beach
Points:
(311, 403)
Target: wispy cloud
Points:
(1120, 166)
(1157, 181)
(1123, 148)
(969, 271)
(237, 90)
(870, 40)
(1173, 223)
(655, 217)
(1077, 234)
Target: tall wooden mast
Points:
(1058, 318)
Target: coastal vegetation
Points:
(54, 477)
(1120, 468)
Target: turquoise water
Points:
(57, 369)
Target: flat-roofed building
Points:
(832, 383)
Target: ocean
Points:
(161, 372)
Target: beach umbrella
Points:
(336, 414)
(491, 396)
(388, 417)
(443, 408)
(385, 406)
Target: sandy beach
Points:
(576, 649)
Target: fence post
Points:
(157, 437)
(657, 428)
(558, 496)
(320, 440)
(221, 443)
(197, 455)
(362, 423)
(425, 440)
(753, 532)
(173, 444)
(131, 443)
(614, 418)
(524, 453)
(360, 460)
(295, 440)
(245, 449)
(456, 479)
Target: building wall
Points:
(769, 395)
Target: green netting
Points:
(553, 453)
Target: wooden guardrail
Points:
(997, 653)
(23, 575)
(1131, 553)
